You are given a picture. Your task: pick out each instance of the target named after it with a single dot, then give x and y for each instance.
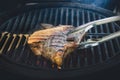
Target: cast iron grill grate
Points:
(16, 49)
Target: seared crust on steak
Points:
(52, 43)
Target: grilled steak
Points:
(53, 43)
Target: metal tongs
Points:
(80, 32)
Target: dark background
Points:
(111, 73)
(10, 4)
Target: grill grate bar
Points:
(72, 17)
(78, 24)
(45, 16)
(39, 16)
(26, 56)
(12, 42)
(10, 37)
(61, 16)
(1, 36)
(23, 48)
(88, 20)
(116, 39)
(90, 32)
(71, 62)
(93, 55)
(20, 26)
(78, 16)
(2, 40)
(34, 20)
(51, 14)
(10, 22)
(15, 24)
(105, 44)
(99, 49)
(28, 21)
(86, 58)
(3, 28)
(67, 16)
(4, 45)
(112, 49)
(107, 56)
(85, 51)
(78, 61)
(56, 17)
(19, 41)
(92, 49)
(86, 13)
(83, 17)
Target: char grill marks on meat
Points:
(52, 43)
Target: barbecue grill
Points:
(18, 57)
